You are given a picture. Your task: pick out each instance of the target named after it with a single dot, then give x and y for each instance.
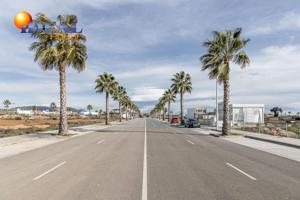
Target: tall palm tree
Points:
(105, 83)
(126, 104)
(118, 95)
(89, 108)
(59, 54)
(169, 97)
(161, 106)
(181, 84)
(53, 106)
(34, 109)
(224, 48)
(6, 104)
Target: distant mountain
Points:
(45, 108)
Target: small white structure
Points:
(24, 112)
(241, 114)
(87, 113)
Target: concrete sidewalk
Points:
(286, 141)
(17, 144)
(269, 147)
(290, 142)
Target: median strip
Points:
(49, 171)
(241, 171)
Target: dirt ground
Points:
(42, 122)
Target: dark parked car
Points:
(192, 123)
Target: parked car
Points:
(175, 120)
(192, 123)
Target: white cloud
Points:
(147, 93)
(289, 21)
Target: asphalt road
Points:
(147, 159)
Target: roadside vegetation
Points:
(285, 125)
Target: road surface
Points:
(145, 159)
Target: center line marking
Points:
(190, 142)
(145, 187)
(50, 170)
(100, 141)
(241, 171)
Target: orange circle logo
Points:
(22, 19)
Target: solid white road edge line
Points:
(190, 142)
(145, 187)
(50, 170)
(241, 171)
(100, 141)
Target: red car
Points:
(175, 120)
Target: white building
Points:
(87, 113)
(24, 112)
(241, 114)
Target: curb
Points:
(273, 141)
(215, 135)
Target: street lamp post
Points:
(217, 115)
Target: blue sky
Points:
(143, 43)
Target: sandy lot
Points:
(42, 122)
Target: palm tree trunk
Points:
(63, 124)
(163, 113)
(106, 108)
(169, 114)
(126, 114)
(120, 112)
(226, 113)
(181, 107)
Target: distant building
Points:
(87, 113)
(24, 112)
(241, 114)
(195, 113)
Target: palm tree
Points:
(126, 104)
(89, 108)
(225, 47)
(34, 109)
(181, 84)
(118, 95)
(6, 104)
(53, 106)
(105, 83)
(169, 97)
(59, 54)
(161, 105)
